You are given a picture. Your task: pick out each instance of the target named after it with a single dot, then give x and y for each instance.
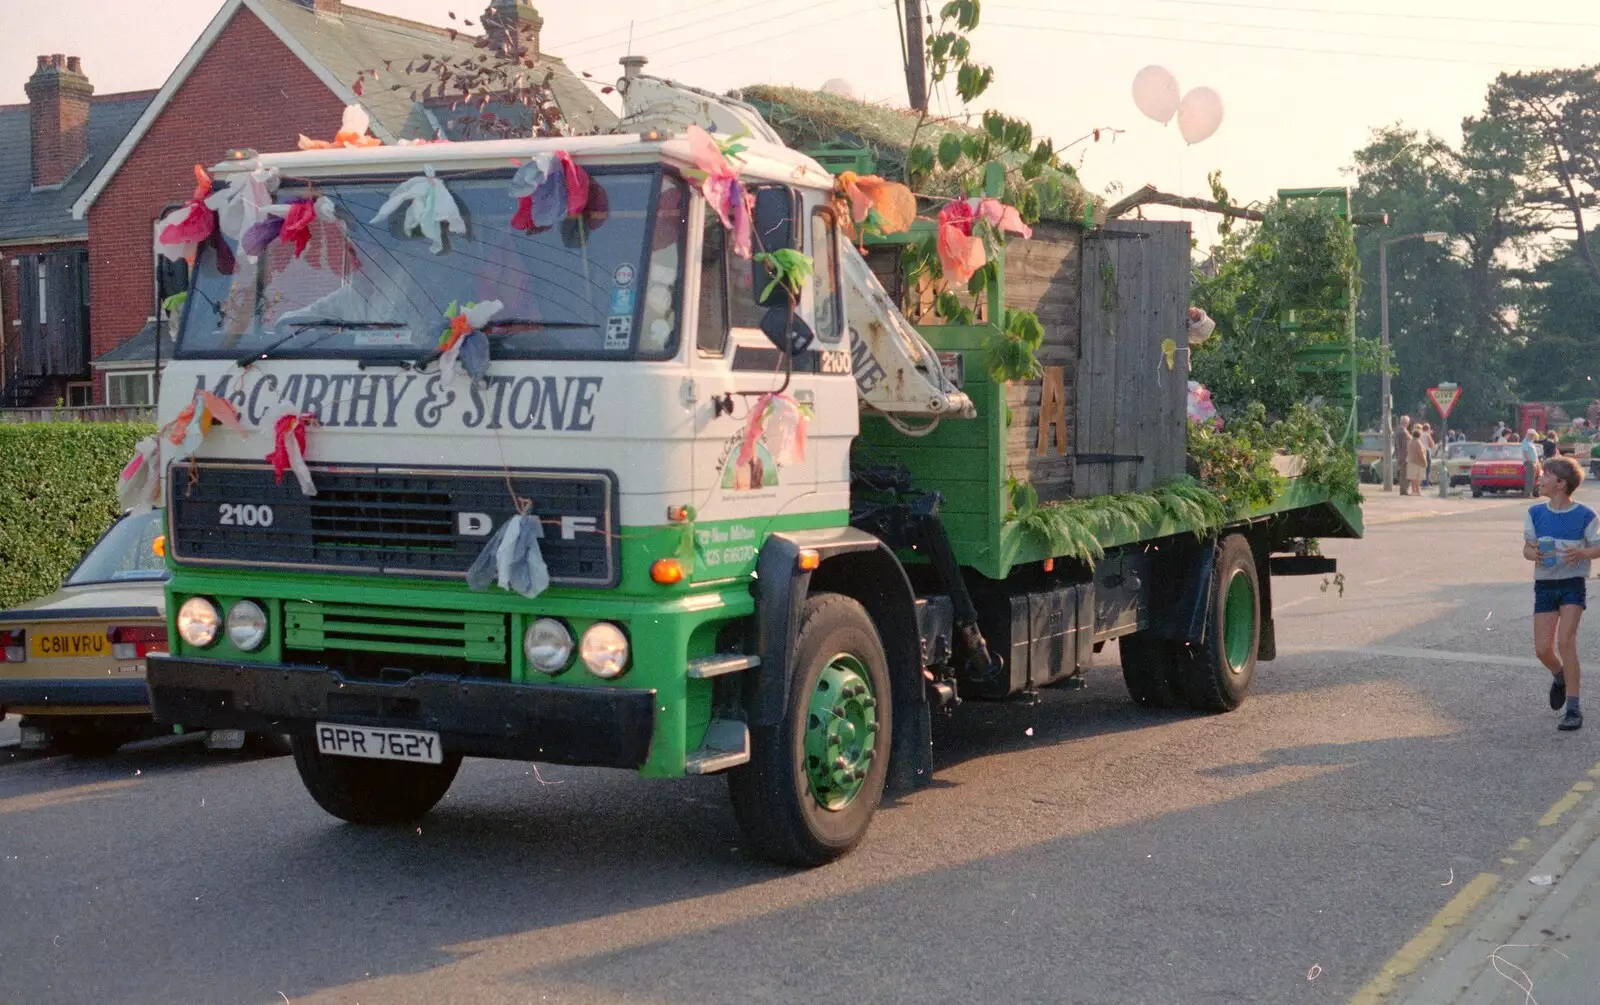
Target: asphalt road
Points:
(1072, 850)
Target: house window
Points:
(80, 395)
(127, 390)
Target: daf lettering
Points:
(572, 526)
(474, 524)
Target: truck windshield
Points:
(605, 285)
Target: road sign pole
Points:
(1444, 453)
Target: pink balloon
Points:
(1155, 91)
(1199, 115)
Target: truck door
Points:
(745, 482)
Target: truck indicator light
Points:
(667, 571)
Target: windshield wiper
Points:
(508, 326)
(337, 324)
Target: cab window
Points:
(826, 308)
(713, 325)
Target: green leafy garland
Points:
(1074, 528)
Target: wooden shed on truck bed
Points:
(1108, 414)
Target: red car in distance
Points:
(1501, 467)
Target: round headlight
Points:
(548, 645)
(198, 620)
(604, 650)
(247, 625)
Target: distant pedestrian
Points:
(1560, 537)
(1530, 461)
(1416, 461)
(1402, 450)
(1551, 447)
(1429, 447)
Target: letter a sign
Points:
(1444, 398)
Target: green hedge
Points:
(58, 493)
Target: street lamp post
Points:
(1432, 237)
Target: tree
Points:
(1450, 307)
(1560, 109)
(1558, 356)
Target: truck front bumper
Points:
(607, 727)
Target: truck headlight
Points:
(604, 650)
(548, 645)
(198, 620)
(247, 625)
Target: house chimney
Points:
(58, 116)
(327, 8)
(505, 20)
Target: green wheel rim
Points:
(841, 732)
(1238, 621)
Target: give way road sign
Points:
(1444, 397)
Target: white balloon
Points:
(1199, 115)
(1155, 91)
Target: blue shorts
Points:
(1550, 595)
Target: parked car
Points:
(1501, 467)
(1369, 458)
(1458, 458)
(72, 663)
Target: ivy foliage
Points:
(1301, 258)
(1236, 461)
(1075, 528)
(56, 499)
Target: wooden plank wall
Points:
(1127, 402)
(1043, 275)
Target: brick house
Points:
(262, 73)
(50, 150)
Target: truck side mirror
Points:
(774, 223)
(787, 330)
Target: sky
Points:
(1303, 81)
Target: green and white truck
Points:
(789, 613)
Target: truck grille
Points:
(409, 522)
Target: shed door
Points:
(1130, 415)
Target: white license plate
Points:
(382, 744)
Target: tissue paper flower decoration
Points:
(464, 343)
(139, 485)
(894, 204)
(1200, 406)
(289, 449)
(289, 221)
(352, 132)
(244, 202)
(189, 427)
(783, 422)
(430, 208)
(721, 186)
(180, 233)
(511, 559)
(961, 252)
(548, 189)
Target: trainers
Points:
(1558, 691)
(1572, 720)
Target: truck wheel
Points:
(365, 791)
(1150, 669)
(1477, 493)
(814, 780)
(1217, 672)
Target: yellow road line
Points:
(1414, 953)
(1521, 844)
(1573, 797)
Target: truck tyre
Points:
(813, 781)
(366, 791)
(1218, 670)
(1150, 668)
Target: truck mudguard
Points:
(860, 566)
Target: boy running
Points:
(1560, 537)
